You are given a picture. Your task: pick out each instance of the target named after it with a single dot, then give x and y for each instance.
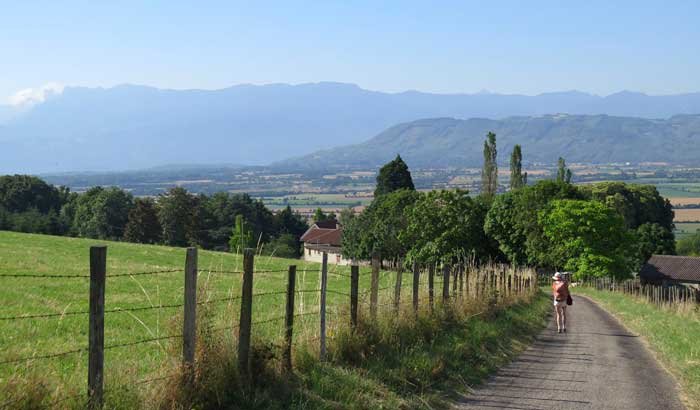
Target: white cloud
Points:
(32, 96)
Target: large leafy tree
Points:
(443, 226)
(178, 214)
(378, 227)
(654, 239)
(513, 222)
(489, 173)
(102, 213)
(19, 193)
(143, 225)
(588, 238)
(392, 177)
(289, 228)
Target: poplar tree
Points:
(563, 173)
(489, 174)
(517, 179)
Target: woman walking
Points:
(560, 292)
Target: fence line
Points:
(671, 295)
(487, 281)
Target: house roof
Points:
(666, 267)
(324, 233)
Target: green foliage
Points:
(284, 246)
(19, 193)
(143, 225)
(513, 222)
(489, 173)
(241, 237)
(346, 215)
(588, 238)
(319, 215)
(638, 204)
(379, 226)
(654, 239)
(178, 213)
(517, 179)
(563, 173)
(392, 177)
(102, 213)
(444, 225)
(690, 245)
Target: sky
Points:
(518, 47)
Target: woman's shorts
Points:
(560, 302)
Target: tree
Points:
(513, 222)
(517, 179)
(241, 237)
(284, 246)
(19, 193)
(444, 226)
(320, 216)
(589, 239)
(489, 174)
(563, 173)
(346, 215)
(393, 176)
(378, 227)
(289, 228)
(143, 225)
(178, 216)
(654, 239)
(689, 245)
(102, 213)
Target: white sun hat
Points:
(557, 276)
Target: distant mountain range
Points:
(449, 142)
(133, 127)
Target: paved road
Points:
(597, 364)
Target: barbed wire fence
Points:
(464, 280)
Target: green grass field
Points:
(684, 229)
(23, 254)
(672, 336)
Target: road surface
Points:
(597, 364)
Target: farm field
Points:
(687, 215)
(679, 189)
(25, 254)
(686, 229)
(324, 201)
(681, 201)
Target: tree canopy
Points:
(393, 176)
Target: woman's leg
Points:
(563, 317)
(557, 312)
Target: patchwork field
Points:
(687, 215)
(21, 338)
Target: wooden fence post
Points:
(189, 327)
(354, 290)
(431, 285)
(244, 329)
(374, 290)
(416, 282)
(445, 283)
(397, 288)
(96, 332)
(461, 280)
(289, 318)
(324, 285)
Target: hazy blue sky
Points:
(509, 47)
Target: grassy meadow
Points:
(22, 254)
(672, 335)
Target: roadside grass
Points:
(400, 361)
(673, 336)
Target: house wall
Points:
(312, 255)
